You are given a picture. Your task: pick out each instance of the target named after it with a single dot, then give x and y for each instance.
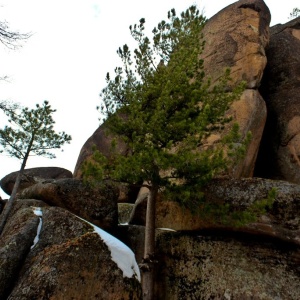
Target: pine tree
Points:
(163, 107)
(31, 133)
(295, 13)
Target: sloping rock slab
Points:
(214, 265)
(70, 260)
(15, 243)
(97, 204)
(32, 176)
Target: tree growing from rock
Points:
(163, 107)
(31, 133)
(295, 13)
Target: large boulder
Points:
(100, 140)
(51, 253)
(32, 176)
(97, 204)
(236, 38)
(215, 265)
(244, 205)
(280, 148)
(15, 243)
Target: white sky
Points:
(73, 45)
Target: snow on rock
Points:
(120, 253)
(38, 212)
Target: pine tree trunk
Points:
(8, 206)
(149, 250)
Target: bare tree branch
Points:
(11, 39)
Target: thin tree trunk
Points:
(8, 206)
(149, 250)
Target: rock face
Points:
(14, 247)
(67, 258)
(236, 38)
(242, 242)
(98, 205)
(101, 140)
(243, 213)
(217, 266)
(32, 176)
(280, 148)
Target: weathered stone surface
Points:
(219, 266)
(250, 113)
(100, 140)
(279, 156)
(69, 260)
(236, 38)
(15, 243)
(98, 204)
(134, 237)
(2, 204)
(32, 176)
(281, 221)
(124, 212)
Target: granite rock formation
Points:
(96, 204)
(279, 156)
(32, 176)
(65, 256)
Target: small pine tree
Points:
(162, 106)
(31, 133)
(8, 107)
(295, 13)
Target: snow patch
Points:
(38, 212)
(120, 253)
(166, 229)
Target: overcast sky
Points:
(73, 45)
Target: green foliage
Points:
(8, 107)
(160, 103)
(262, 206)
(295, 13)
(31, 131)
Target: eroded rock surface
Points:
(64, 258)
(236, 38)
(95, 204)
(100, 140)
(219, 266)
(32, 176)
(279, 156)
(235, 205)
